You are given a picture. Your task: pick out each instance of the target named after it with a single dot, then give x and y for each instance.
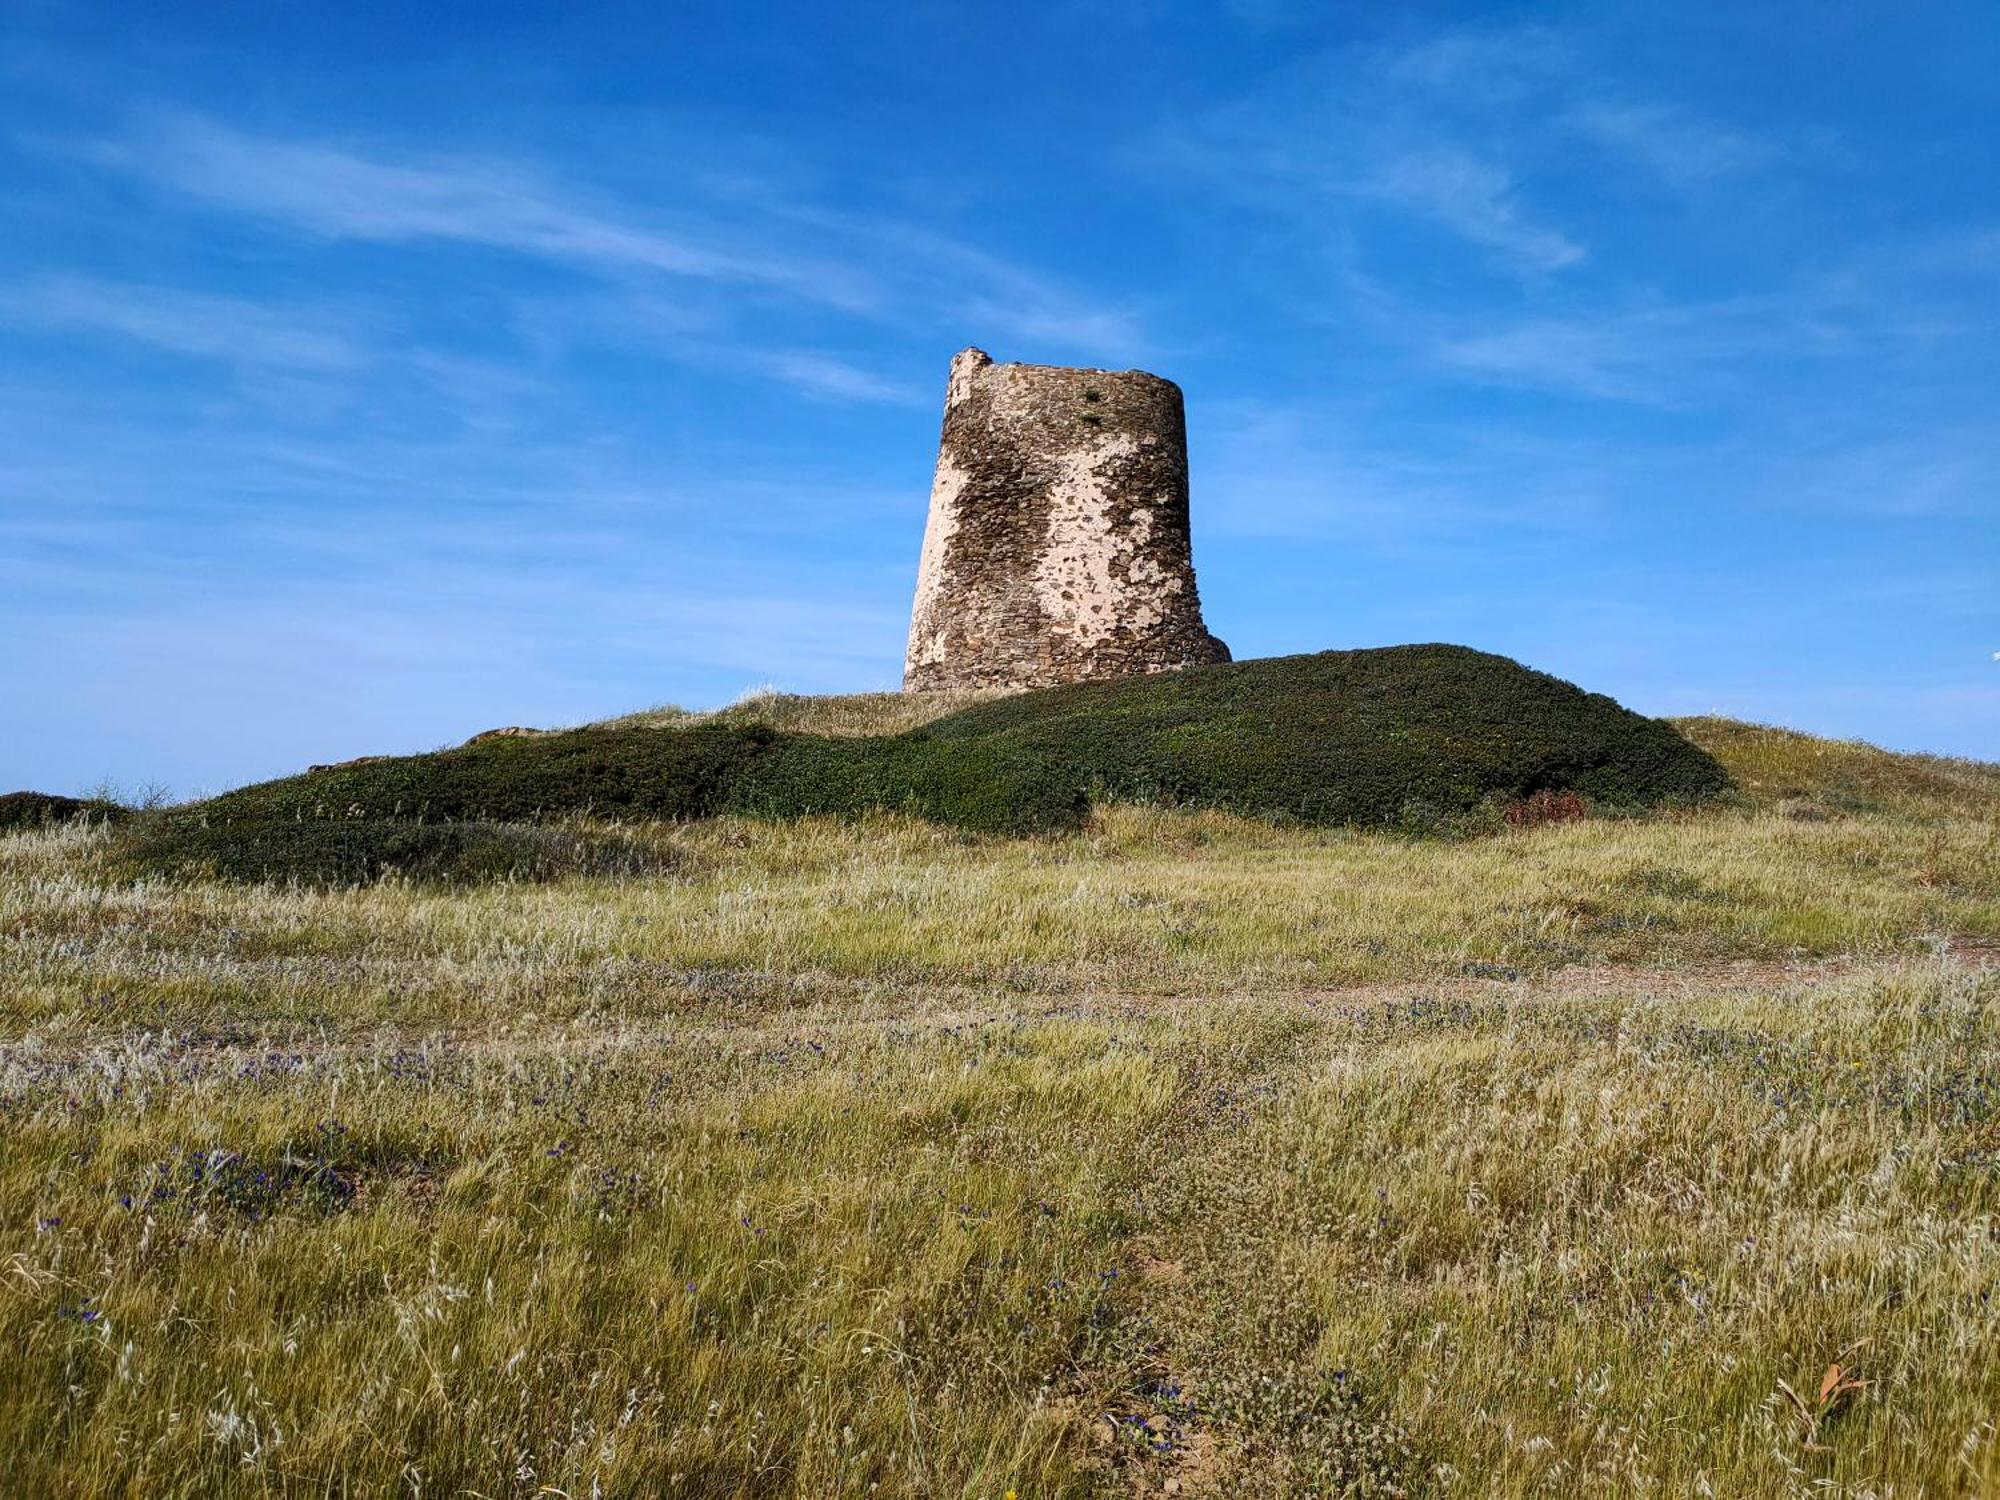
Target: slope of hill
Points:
(1188, 1153)
(1417, 737)
(1347, 737)
(1809, 772)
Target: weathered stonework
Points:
(1057, 545)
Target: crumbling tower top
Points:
(1057, 546)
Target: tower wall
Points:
(1057, 544)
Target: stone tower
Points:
(1057, 545)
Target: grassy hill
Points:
(1421, 738)
(824, 1155)
(1407, 733)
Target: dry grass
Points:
(874, 1156)
(1801, 771)
(1149, 901)
(1555, 1245)
(841, 714)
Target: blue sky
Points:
(374, 374)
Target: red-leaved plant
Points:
(1546, 806)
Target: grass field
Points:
(1186, 1155)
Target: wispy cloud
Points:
(1933, 473)
(704, 339)
(341, 193)
(829, 377)
(1675, 144)
(233, 330)
(1901, 309)
(1554, 82)
(1480, 66)
(1333, 471)
(1666, 356)
(881, 269)
(395, 589)
(738, 276)
(974, 288)
(1349, 131)
(1450, 131)
(1475, 197)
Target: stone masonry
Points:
(1057, 545)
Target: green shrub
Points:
(1421, 738)
(45, 809)
(677, 774)
(1347, 737)
(664, 775)
(483, 811)
(350, 852)
(989, 788)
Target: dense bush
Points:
(1405, 734)
(345, 852)
(668, 775)
(484, 811)
(44, 809)
(992, 788)
(677, 774)
(1415, 737)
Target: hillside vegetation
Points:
(332, 826)
(1420, 738)
(1186, 1153)
(20, 810)
(1404, 733)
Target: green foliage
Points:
(1420, 738)
(459, 816)
(673, 775)
(666, 775)
(20, 810)
(990, 788)
(1409, 735)
(347, 852)
(480, 812)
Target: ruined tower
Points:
(1057, 545)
